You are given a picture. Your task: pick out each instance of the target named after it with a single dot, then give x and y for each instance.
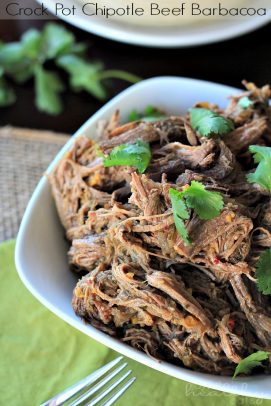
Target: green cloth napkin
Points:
(41, 355)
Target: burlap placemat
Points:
(24, 156)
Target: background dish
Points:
(41, 249)
(169, 37)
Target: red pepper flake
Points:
(231, 324)
(92, 215)
(216, 261)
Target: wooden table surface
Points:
(247, 57)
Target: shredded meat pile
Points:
(195, 305)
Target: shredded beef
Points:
(195, 305)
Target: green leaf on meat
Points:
(245, 102)
(209, 123)
(263, 272)
(137, 155)
(206, 204)
(180, 213)
(253, 360)
(262, 174)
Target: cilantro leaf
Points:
(134, 116)
(12, 59)
(25, 59)
(56, 40)
(150, 113)
(263, 272)
(151, 110)
(137, 155)
(206, 204)
(197, 114)
(262, 174)
(253, 360)
(180, 213)
(15, 61)
(31, 42)
(245, 102)
(179, 224)
(178, 203)
(215, 125)
(83, 75)
(48, 86)
(208, 123)
(24, 74)
(7, 95)
(11, 54)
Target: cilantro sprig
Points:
(137, 155)
(262, 174)
(28, 58)
(253, 360)
(263, 272)
(180, 213)
(206, 204)
(208, 123)
(48, 87)
(150, 113)
(245, 102)
(7, 95)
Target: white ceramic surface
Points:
(213, 30)
(41, 249)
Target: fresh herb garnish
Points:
(262, 174)
(253, 360)
(150, 113)
(209, 123)
(48, 86)
(7, 95)
(137, 155)
(26, 59)
(180, 213)
(263, 272)
(206, 204)
(83, 75)
(245, 102)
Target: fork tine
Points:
(118, 394)
(70, 392)
(98, 385)
(108, 390)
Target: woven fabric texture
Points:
(24, 156)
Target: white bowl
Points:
(207, 31)
(41, 248)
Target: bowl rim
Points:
(239, 386)
(154, 37)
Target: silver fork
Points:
(89, 380)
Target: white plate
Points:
(166, 37)
(41, 251)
